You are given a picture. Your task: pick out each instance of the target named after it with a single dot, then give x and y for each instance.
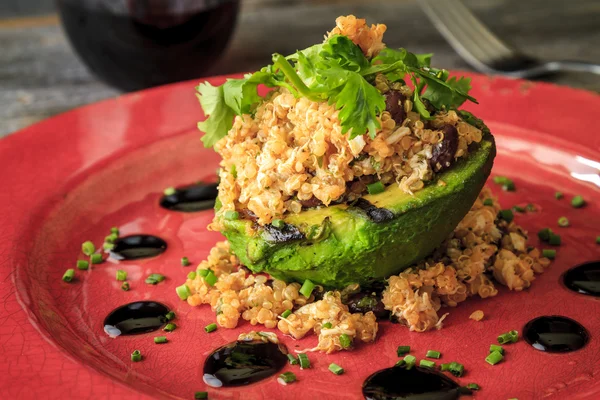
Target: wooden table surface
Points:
(41, 76)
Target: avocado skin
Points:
(344, 244)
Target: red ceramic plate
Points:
(72, 177)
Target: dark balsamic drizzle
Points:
(374, 213)
(555, 334)
(133, 247)
(135, 318)
(410, 384)
(584, 278)
(244, 362)
(191, 198)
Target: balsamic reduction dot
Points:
(555, 334)
(135, 318)
(584, 278)
(191, 198)
(133, 247)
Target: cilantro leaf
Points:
(347, 54)
(220, 115)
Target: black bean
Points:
(363, 302)
(394, 104)
(443, 152)
(310, 203)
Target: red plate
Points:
(72, 177)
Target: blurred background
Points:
(59, 54)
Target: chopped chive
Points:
(96, 258)
(597, 239)
(375, 188)
(160, 339)
(125, 286)
(111, 238)
(519, 209)
(170, 315)
(210, 278)
(108, 246)
(495, 347)
(501, 180)
(233, 170)
(121, 275)
(88, 248)
(345, 341)
(153, 279)
(558, 195)
(473, 386)
(114, 230)
(169, 191)
(286, 378)
(530, 207)
(68, 275)
(304, 361)
(563, 221)
(433, 354)
(494, 358)
(170, 327)
(191, 275)
(231, 215)
(307, 288)
(554, 239)
(278, 223)
(183, 292)
(410, 361)
(514, 336)
(82, 264)
(544, 234)
(427, 364)
(578, 202)
(327, 325)
(200, 395)
(445, 367)
(286, 313)
(210, 328)
(508, 337)
(136, 356)
(293, 360)
(506, 215)
(456, 369)
(203, 272)
(185, 261)
(549, 253)
(509, 187)
(336, 369)
(488, 202)
(400, 363)
(402, 350)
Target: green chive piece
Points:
(170, 327)
(307, 288)
(114, 230)
(554, 240)
(514, 336)
(191, 275)
(495, 347)
(210, 328)
(578, 201)
(488, 202)
(530, 207)
(456, 369)
(304, 361)
(183, 292)
(494, 358)
(433, 354)
(336, 369)
(231, 215)
(88, 248)
(558, 195)
(169, 191)
(501, 180)
(293, 360)
(136, 356)
(506, 215)
(375, 188)
(68, 275)
(203, 272)
(473, 386)
(345, 341)
(200, 395)
(427, 364)
(125, 286)
(170, 315)
(278, 223)
(108, 246)
(597, 239)
(400, 363)
(233, 170)
(83, 264)
(160, 339)
(153, 279)
(185, 261)
(519, 209)
(445, 367)
(563, 221)
(111, 238)
(509, 187)
(286, 313)
(286, 378)
(96, 258)
(210, 278)
(410, 361)
(402, 350)
(544, 234)
(549, 253)
(121, 275)
(327, 325)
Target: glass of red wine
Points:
(136, 44)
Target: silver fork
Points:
(484, 51)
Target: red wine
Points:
(136, 44)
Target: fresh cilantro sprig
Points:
(336, 71)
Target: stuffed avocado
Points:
(356, 165)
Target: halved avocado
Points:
(375, 237)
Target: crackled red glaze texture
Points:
(72, 177)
